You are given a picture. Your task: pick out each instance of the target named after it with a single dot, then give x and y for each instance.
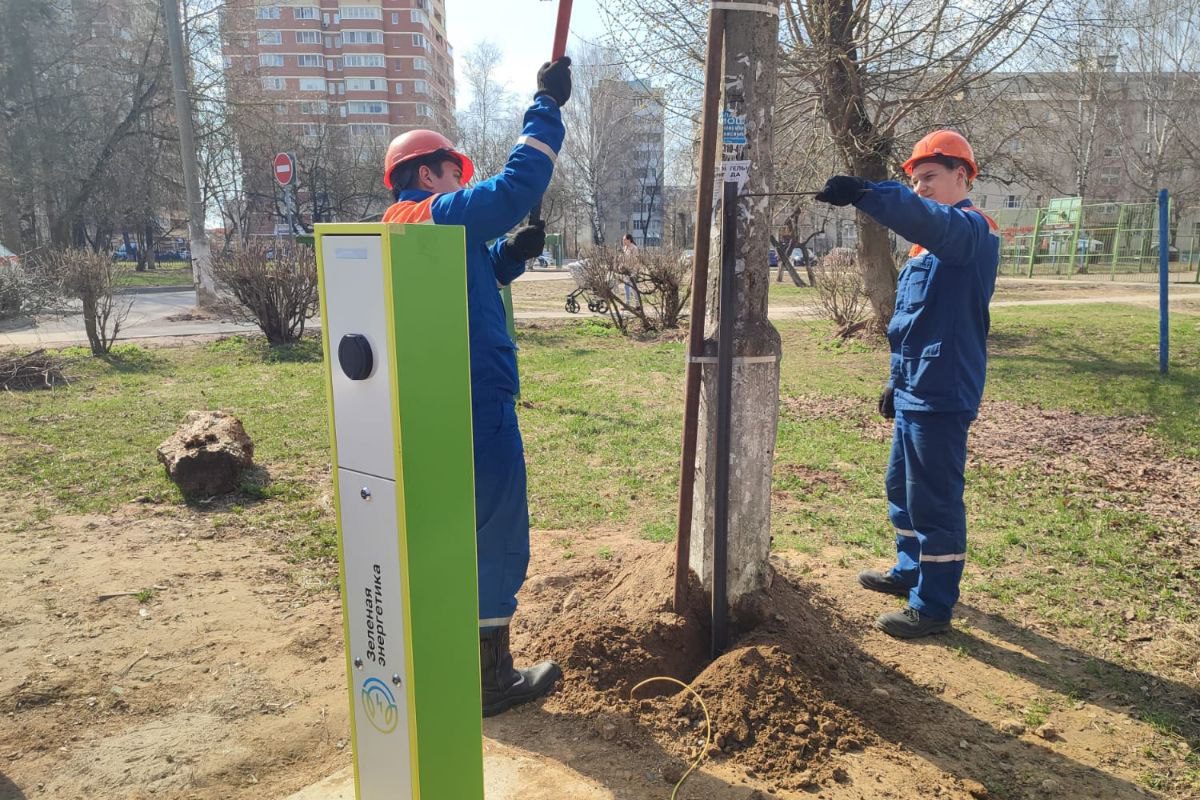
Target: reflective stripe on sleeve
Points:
(540, 146)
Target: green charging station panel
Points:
(397, 371)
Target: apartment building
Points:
(328, 76)
(635, 196)
(1107, 135)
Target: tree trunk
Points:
(751, 51)
(10, 218)
(865, 149)
(151, 244)
(89, 324)
(878, 266)
(875, 256)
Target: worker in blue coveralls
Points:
(938, 336)
(427, 175)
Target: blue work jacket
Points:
(488, 210)
(938, 332)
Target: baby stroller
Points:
(583, 288)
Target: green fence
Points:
(1073, 239)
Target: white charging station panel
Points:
(356, 304)
(368, 517)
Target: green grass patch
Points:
(659, 531)
(1037, 712)
(787, 293)
(1100, 359)
(170, 273)
(601, 419)
(91, 446)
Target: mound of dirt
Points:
(616, 628)
(767, 716)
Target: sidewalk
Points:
(150, 312)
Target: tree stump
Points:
(208, 454)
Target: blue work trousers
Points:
(501, 507)
(925, 504)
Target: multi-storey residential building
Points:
(342, 76)
(635, 189)
(1097, 132)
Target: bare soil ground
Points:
(223, 679)
(224, 684)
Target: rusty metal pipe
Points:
(691, 397)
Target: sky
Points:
(522, 29)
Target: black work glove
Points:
(526, 242)
(842, 190)
(554, 81)
(887, 404)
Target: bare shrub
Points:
(89, 278)
(274, 284)
(652, 288)
(16, 288)
(663, 282)
(841, 295)
(598, 274)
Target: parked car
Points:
(801, 259)
(772, 258)
(1172, 252)
(125, 253)
(172, 254)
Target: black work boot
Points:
(503, 686)
(884, 582)
(908, 623)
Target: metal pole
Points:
(700, 253)
(198, 239)
(1164, 279)
(1075, 240)
(727, 306)
(1033, 243)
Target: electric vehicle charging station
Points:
(397, 370)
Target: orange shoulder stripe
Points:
(411, 212)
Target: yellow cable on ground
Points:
(707, 725)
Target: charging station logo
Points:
(380, 705)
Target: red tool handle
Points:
(561, 30)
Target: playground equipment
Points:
(1070, 237)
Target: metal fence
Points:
(1073, 239)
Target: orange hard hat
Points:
(943, 143)
(415, 144)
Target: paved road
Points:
(150, 315)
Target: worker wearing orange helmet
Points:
(938, 337)
(427, 176)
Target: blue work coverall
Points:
(489, 210)
(938, 338)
